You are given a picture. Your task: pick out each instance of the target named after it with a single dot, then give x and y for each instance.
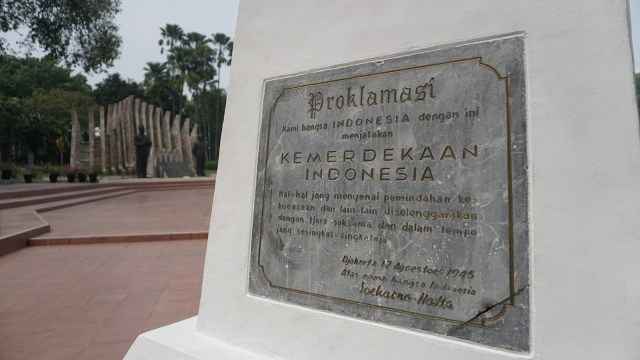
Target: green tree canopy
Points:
(21, 77)
(199, 60)
(36, 100)
(114, 88)
(171, 35)
(224, 44)
(48, 113)
(194, 60)
(51, 109)
(80, 32)
(156, 84)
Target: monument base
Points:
(582, 173)
(181, 341)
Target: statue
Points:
(142, 143)
(198, 153)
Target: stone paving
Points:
(92, 301)
(134, 214)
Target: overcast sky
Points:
(140, 22)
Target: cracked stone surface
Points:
(396, 191)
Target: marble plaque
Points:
(395, 191)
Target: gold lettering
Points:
(448, 153)
(387, 155)
(313, 158)
(388, 92)
(426, 153)
(351, 98)
(373, 99)
(384, 174)
(331, 156)
(351, 153)
(406, 154)
(473, 153)
(368, 155)
(315, 103)
(405, 95)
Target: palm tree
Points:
(229, 52)
(178, 60)
(172, 35)
(193, 38)
(156, 81)
(200, 72)
(224, 44)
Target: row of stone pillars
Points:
(171, 141)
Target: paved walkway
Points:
(145, 212)
(92, 301)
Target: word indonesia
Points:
(401, 173)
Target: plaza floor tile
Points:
(70, 309)
(91, 301)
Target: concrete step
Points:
(18, 239)
(22, 191)
(170, 186)
(114, 192)
(37, 189)
(28, 199)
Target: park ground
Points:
(111, 280)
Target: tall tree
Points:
(214, 100)
(172, 37)
(19, 77)
(193, 60)
(200, 72)
(225, 50)
(114, 88)
(20, 81)
(80, 32)
(48, 113)
(156, 84)
(177, 59)
(11, 125)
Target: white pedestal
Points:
(584, 174)
(181, 341)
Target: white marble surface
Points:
(583, 156)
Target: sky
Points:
(140, 22)
(139, 25)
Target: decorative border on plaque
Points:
(510, 302)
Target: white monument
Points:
(515, 122)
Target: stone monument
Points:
(385, 195)
(117, 153)
(436, 182)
